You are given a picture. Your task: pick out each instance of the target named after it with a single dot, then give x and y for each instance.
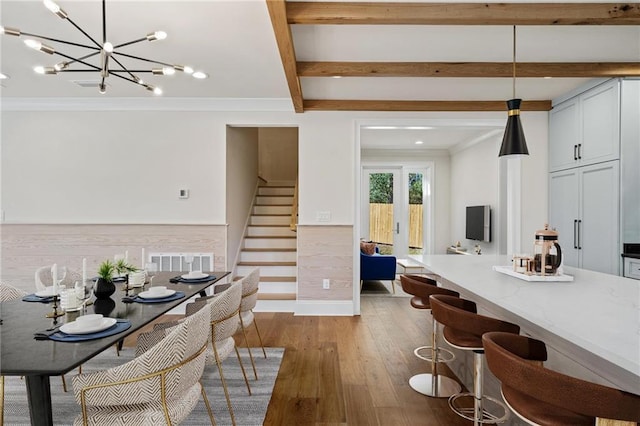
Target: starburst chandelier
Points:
(108, 59)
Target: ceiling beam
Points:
(468, 69)
(389, 105)
(368, 13)
(278, 15)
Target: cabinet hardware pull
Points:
(579, 235)
(579, 151)
(575, 232)
(575, 152)
(398, 228)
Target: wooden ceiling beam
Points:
(392, 105)
(468, 69)
(369, 13)
(278, 15)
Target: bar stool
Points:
(430, 384)
(463, 329)
(544, 397)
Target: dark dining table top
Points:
(21, 354)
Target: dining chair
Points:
(249, 298)
(43, 277)
(161, 386)
(7, 293)
(224, 323)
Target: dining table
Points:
(38, 360)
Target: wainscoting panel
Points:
(25, 247)
(325, 252)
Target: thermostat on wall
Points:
(183, 193)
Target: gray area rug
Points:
(248, 410)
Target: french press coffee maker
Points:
(547, 252)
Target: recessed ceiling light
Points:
(336, 76)
(419, 142)
(548, 78)
(380, 127)
(418, 127)
(3, 76)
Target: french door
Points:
(394, 209)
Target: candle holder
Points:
(55, 313)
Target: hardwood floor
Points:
(351, 370)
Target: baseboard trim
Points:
(324, 308)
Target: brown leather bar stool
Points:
(430, 384)
(540, 396)
(463, 329)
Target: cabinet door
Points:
(564, 135)
(600, 124)
(599, 231)
(563, 212)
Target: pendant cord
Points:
(514, 62)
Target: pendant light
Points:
(513, 141)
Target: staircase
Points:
(270, 244)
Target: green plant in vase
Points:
(122, 267)
(104, 285)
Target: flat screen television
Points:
(478, 223)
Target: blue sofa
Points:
(378, 267)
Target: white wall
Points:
(474, 182)
(241, 181)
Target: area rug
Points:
(248, 410)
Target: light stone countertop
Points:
(595, 319)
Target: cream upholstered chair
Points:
(7, 293)
(249, 299)
(43, 277)
(161, 386)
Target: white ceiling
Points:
(233, 41)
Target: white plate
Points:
(195, 276)
(148, 295)
(75, 328)
(47, 292)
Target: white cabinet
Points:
(584, 209)
(586, 129)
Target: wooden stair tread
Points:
(267, 226)
(276, 296)
(265, 250)
(273, 205)
(266, 263)
(276, 186)
(270, 236)
(272, 214)
(278, 279)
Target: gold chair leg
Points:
(246, 343)
(255, 324)
(242, 368)
(224, 384)
(206, 403)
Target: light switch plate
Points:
(323, 216)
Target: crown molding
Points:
(146, 104)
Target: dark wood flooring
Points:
(351, 370)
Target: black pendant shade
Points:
(513, 142)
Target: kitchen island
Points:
(591, 325)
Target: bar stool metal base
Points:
(437, 387)
(442, 355)
(490, 410)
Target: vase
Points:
(104, 288)
(104, 306)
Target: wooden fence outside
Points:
(382, 225)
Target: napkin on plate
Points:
(130, 299)
(34, 298)
(180, 279)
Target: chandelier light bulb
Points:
(158, 35)
(34, 44)
(61, 66)
(3, 76)
(157, 91)
(10, 31)
(102, 88)
(199, 75)
(188, 70)
(168, 71)
(51, 6)
(107, 47)
(44, 70)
